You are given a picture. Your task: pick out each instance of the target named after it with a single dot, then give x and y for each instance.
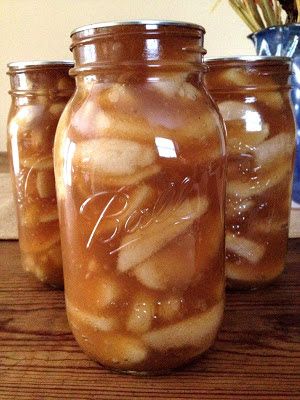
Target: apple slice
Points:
(95, 122)
(45, 184)
(169, 308)
(197, 331)
(273, 149)
(272, 99)
(141, 314)
(39, 164)
(240, 140)
(242, 273)
(116, 162)
(121, 350)
(270, 225)
(108, 291)
(237, 207)
(245, 248)
(259, 184)
(171, 267)
(136, 247)
(176, 86)
(240, 77)
(25, 118)
(98, 323)
(114, 349)
(236, 110)
(36, 243)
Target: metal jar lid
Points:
(246, 59)
(20, 65)
(149, 24)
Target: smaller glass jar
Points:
(253, 95)
(39, 91)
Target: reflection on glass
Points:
(23, 82)
(67, 172)
(13, 129)
(23, 101)
(165, 147)
(250, 99)
(89, 53)
(253, 121)
(151, 49)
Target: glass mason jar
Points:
(139, 165)
(253, 95)
(39, 91)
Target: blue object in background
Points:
(284, 40)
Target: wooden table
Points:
(257, 354)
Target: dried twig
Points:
(298, 9)
(251, 6)
(268, 12)
(239, 8)
(259, 14)
(278, 13)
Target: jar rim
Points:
(145, 22)
(18, 65)
(248, 58)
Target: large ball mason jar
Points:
(139, 165)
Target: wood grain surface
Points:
(294, 231)
(8, 218)
(256, 356)
(4, 167)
